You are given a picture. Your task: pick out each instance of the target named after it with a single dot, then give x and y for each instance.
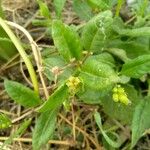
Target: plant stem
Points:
(23, 54)
(120, 3)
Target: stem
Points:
(120, 3)
(23, 54)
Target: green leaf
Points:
(57, 61)
(7, 49)
(66, 40)
(133, 49)
(137, 67)
(82, 9)
(44, 128)
(97, 31)
(59, 7)
(107, 138)
(4, 121)
(120, 111)
(44, 9)
(56, 99)
(1, 10)
(98, 4)
(97, 75)
(18, 132)
(141, 120)
(137, 32)
(21, 94)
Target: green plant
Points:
(101, 62)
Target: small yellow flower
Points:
(119, 95)
(73, 83)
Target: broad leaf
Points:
(97, 31)
(4, 121)
(59, 7)
(82, 9)
(66, 40)
(141, 120)
(137, 67)
(21, 94)
(7, 49)
(56, 99)
(97, 75)
(120, 111)
(44, 128)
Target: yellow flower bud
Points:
(124, 99)
(115, 97)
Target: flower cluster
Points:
(119, 95)
(73, 83)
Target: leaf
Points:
(137, 32)
(107, 138)
(82, 9)
(137, 67)
(18, 132)
(4, 121)
(141, 120)
(97, 31)
(133, 49)
(44, 9)
(7, 49)
(56, 99)
(66, 41)
(57, 62)
(44, 128)
(119, 111)
(21, 94)
(59, 7)
(1, 10)
(97, 75)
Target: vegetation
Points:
(90, 89)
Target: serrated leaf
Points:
(56, 99)
(66, 40)
(97, 31)
(119, 111)
(7, 49)
(44, 9)
(114, 144)
(59, 7)
(141, 120)
(21, 94)
(137, 67)
(44, 128)
(4, 121)
(82, 9)
(97, 75)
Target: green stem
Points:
(23, 54)
(120, 3)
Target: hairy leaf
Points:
(66, 40)
(82, 9)
(97, 31)
(56, 99)
(98, 75)
(137, 67)
(59, 7)
(44, 128)
(141, 120)
(21, 94)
